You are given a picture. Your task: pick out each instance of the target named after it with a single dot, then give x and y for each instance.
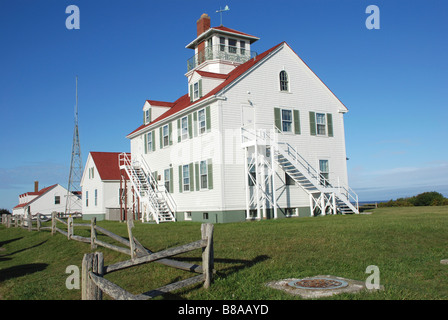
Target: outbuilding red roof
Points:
(40, 193)
(107, 164)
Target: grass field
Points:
(406, 244)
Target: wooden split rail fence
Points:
(93, 269)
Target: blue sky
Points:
(393, 80)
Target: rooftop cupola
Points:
(218, 49)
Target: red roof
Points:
(184, 101)
(107, 164)
(160, 103)
(222, 28)
(40, 193)
(212, 74)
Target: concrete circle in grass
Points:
(318, 283)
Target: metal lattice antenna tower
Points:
(74, 204)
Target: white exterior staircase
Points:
(325, 198)
(156, 202)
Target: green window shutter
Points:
(161, 137)
(170, 133)
(200, 88)
(296, 122)
(153, 136)
(190, 166)
(312, 123)
(210, 173)
(191, 93)
(208, 119)
(180, 179)
(178, 131)
(195, 123)
(277, 119)
(146, 142)
(196, 174)
(155, 175)
(190, 126)
(171, 181)
(330, 124)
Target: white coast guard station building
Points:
(256, 136)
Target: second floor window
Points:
(166, 136)
(186, 177)
(232, 46)
(201, 121)
(320, 124)
(184, 128)
(286, 120)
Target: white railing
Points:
(270, 137)
(150, 199)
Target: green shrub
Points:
(432, 198)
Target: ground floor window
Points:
(324, 172)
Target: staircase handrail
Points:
(125, 163)
(166, 195)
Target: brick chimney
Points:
(203, 24)
(36, 186)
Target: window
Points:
(201, 121)
(290, 212)
(57, 199)
(196, 90)
(324, 172)
(148, 116)
(167, 177)
(222, 44)
(87, 198)
(166, 136)
(283, 81)
(149, 143)
(243, 47)
(232, 46)
(186, 177)
(96, 197)
(286, 120)
(184, 128)
(187, 215)
(203, 174)
(288, 180)
(320, 122)
(91, 173)
(205, 215)
(252, 175)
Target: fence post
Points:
(207, 254)
(92, 262)
(130, 224)
(69, 227)
(53, 222)
(93, 233)
(30, 222)
(38, 222)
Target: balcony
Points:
(220, 52)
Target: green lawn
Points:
(406, 244)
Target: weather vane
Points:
(222, 10)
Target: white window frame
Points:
(184, 130)
(284, 82)
(243, 47)
(147, 118)
(196, 90)
(291, 121)
(167, 136)
(203, 175)
(96, 197)
(321, 125)
(233, 49)
(165, 179)
(187, 216)
(186, 186)
(325, 174)
(202, 124)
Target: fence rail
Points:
(93, 269)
